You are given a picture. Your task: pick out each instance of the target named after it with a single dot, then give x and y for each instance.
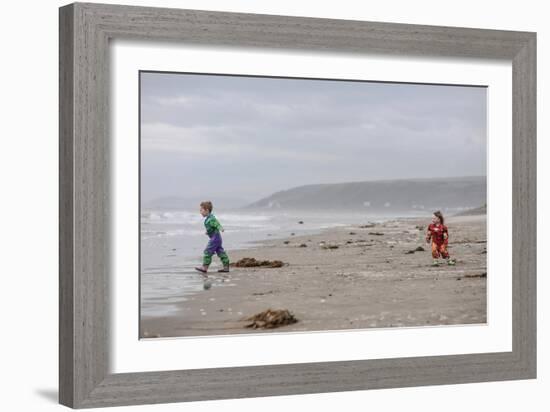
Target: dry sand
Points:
(368, 281)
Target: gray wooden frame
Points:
(85, 31)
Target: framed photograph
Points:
(258, 205)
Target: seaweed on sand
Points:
(252, 262)
(270, 318)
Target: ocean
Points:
(172, 242)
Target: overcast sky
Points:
(249, 137)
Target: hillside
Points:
(454, 194)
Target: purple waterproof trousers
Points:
(215, 246)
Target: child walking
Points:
(213, 229)
(439, 235)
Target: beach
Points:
(352, 277)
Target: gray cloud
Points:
(251, 136)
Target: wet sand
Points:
(344, 278)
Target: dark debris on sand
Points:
(252, 263)
(329, 246)
(270, 318)
(367, 226)
(480, 275)
(418, 249)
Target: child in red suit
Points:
(439, 235)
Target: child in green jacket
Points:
(213, 229)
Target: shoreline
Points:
(368, 278)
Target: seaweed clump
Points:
(253, 263)
(270, 319)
